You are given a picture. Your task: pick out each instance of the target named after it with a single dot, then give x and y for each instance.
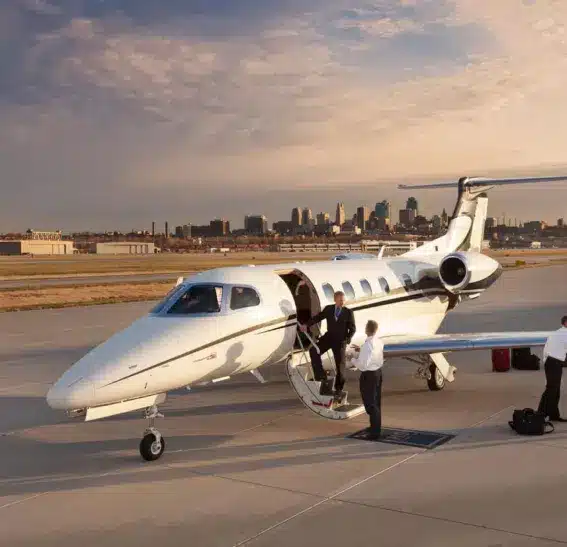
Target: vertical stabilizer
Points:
(466, 228)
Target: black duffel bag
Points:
(530, 422)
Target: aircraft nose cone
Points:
(65, 396)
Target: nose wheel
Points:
(152, 445)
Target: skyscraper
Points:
(306, 217)
(256, 224)
(382, 209)
(323, 219)
(340, 216)
(362, 217)
(412, 204)
(219, 227)
(296, 217)
(382, 214)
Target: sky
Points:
(117, 113)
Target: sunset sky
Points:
(114, 113)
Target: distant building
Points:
(201, 231)
(560, 223)
(43, 236)
(283, 227)
(340, 215)
(296, 215)
(436, 221)
(36, 247)
(219, 227)
(490, 223)
(323, 219)
(256, 224)
(306, 217)
(534, 226)
(445, 218)
(183, 232)
(382, 209)
(362, 216)
(123, 248)
(412, 204)
(407, 216)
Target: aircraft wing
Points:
(401, 345)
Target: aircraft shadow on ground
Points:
(32, 466)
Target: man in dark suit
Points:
(340, 330)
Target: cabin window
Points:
(329, 292)
(406, 280)
(243, 297)
(366, 288)
(384, 284)
(349, 291)
(198, 299)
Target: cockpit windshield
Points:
(191, 300)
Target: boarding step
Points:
(308, 390)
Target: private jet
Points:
(227, 321)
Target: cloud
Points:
(225, 103)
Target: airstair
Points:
(301, 378)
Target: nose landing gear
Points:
(152, 444)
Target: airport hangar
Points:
(36, 247)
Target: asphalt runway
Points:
(247, 464)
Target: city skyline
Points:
(114, 113)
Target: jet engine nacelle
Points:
(466, 272)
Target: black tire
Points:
(436, 382)
(148, 450)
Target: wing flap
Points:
(400, 345)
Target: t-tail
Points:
(466, 228)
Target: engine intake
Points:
(468, 272)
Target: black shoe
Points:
(326, 388)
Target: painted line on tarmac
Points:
(325, 500)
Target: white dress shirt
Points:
(371, 356)
(556, 345)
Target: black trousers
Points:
(325, 344)
(549, 402)
(371, 391)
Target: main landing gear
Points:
(152, 444)
(434, 369)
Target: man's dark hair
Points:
(372, 326)
(339, 293)
(564, 320)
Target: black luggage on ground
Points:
(522, 359)
(530, 422)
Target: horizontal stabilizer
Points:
(481, 181)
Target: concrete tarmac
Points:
(247, 464)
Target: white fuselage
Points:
(163, 351)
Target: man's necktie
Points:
(337, 313)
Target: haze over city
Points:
(118, 113)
